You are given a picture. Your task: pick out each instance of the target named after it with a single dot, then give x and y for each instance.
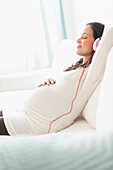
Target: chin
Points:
(78, 53)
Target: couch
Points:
(85, 144)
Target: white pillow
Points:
(104, 118)
(89, 112)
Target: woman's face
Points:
(85, 42)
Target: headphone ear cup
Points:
(96, 43)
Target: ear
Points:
(96, 43)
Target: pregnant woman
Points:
(53, 104)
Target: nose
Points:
(78, 40)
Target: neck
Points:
(85, 58)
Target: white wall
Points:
(84, 11)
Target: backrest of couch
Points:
(104, 114)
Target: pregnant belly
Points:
(54, 100)
(51, 101)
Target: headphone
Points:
(96, 43)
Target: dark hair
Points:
(98, 29)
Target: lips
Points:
(79, 46)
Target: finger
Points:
(40, 85)
(48, 82)
(44, 83)
(52, 81)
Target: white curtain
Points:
(29, 33)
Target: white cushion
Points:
(89, 112)
(104, 118)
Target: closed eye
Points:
(84, 37)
